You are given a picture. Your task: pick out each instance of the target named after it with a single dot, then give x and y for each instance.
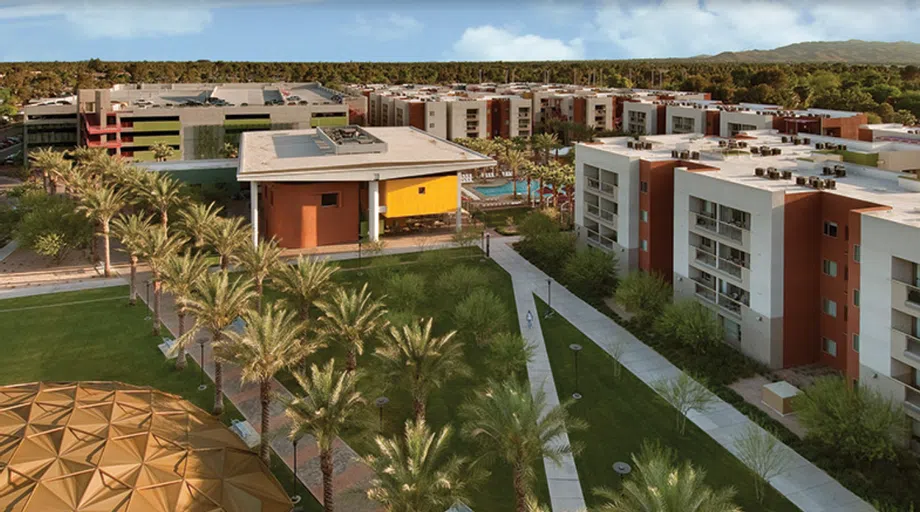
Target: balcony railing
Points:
(733, 232)
(707, 223)
(730, 267)
(705, 258)
(730, 305)
(608, 215)
(707, 282)
(599, 239)
(912, 350)
(593, 209)
(594, 183)
(607, 188)
(706, 293)
(913, 295)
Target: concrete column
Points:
(459, 202)
(254, 210)
(373, 210)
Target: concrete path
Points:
(8, 249)
(803, 483)
(352, 476)
(62, 287)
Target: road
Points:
(5, 152)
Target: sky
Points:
(433, 30)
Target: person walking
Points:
(529, 319)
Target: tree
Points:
(216, 303)
(858, 424)
(764, 455)
(270, 341)
(905, 117)
(328, 404)
(50, 163)
(101, 205)
(350, 318)
(50, 225)
(304, 283)
(161, 193)
(230, 150)
(643, 294)
(684, 394)
(227, 236)
(157, 247)
(259, 262)
(518, 428)
(509, 355)
(421, 361)
(131, 230)
(161, 151)
(460, 281)
(591, 273)
(656, 484)
(416, 473)
(196, 220)
(514, 160)
(180, 277)
(404, 290)
(691, 324)
(480, 315)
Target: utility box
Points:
(778, 396)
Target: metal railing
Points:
(608, 215)
(708, 283)
(707, 223)
(706, 258)
(607, 188)
(599, 239)
(594, 183)
(730, 267)
(593, 209)
(706, 293)
(731, 231)
(729, 304)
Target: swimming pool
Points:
(505, 190)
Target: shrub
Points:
(858, 424)
(52, 225)
(691, 324)
(644, 295)
(9, 218)
(480, 315)
(549, 251)
(537, 223)
(468, 236)
(591, 274)
(380, 267)
(460, 281)
(509, 354)
(684, 394)
(405, 291)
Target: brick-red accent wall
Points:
(293, 213)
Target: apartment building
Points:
(807, 248)
(50, 122)
(195, 119)
(889, 132)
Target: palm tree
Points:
(101, 205)
(161, 192)
(269, 342)
(329, 404)
(657, 485)
(543, 143)
(85, 156)
(259, 262)
(227, 236)
(514, 160)
(529, 169)
(157, 247)
(539, 172)
(424, 362)
(161, 151)
(350, 318)
(416, 473)
(180, 277)
(514, 426)
(216, 303)
(132, 230)
(47, 160)
(230, 150)
(304, 283)
(196, 219)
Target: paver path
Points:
(804, 484)
(352, 476)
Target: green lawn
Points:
(499, 218)
(495, 494)
(623, 412)
(97, 336)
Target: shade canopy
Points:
(113, 447)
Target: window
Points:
(830, 229)
(645, 245)
(643, 186)
(829, 307)
(856, 297)
(829, 346)
(855, 342)
(431, 125)
(331, 199)
(643, 215)
(856, 253)
(421, 191)
(830, 268)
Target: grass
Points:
(499, 218)
(96, 335)
(623, 412)
(494, 494)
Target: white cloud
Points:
(390, 28)
(488, 43)
(683, 28)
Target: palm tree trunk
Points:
(133, 295)
(520, 491)
(325, 464)
(419, 406)
(514, 183)
(529, 194)
(181, 363)
(107, 246)
(352, 361)
(265, 393)
(224, 262)
(164, 219)
(156, 304)
(218, 388)
(540, 193)
(259, 290)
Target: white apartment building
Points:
(640, 117)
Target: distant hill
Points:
(853, 51)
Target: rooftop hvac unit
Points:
(806, 141)
(840, 173)
(773, 174)
(827, 171)
(694, 155)
(755, 150)
(787, 175)
(759, 171)
(801, 180)
(819, 145)
(675, 153)
(830, 183)
(777, 151)
(785, 139)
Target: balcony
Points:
(730, 305)
(912, 403)
(111, 144)
(730, 267)
(905, 297)
(594, 183)
(731, 231)
(705, 293)
(599, 239)
(705, 258)
(910, 382)
(706, 222)
(706, 280)
(728, 231)
(609, 189)
(93, 127)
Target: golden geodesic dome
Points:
(113, 447)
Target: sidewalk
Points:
(804, 484)
(13, 293)
(352, 476)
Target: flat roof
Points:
(880, 187)
(303, 155)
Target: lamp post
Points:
(295, 499)
(576, 348)
(201, 385)
(549, 298)
(380, 403)
(488, 244)
(360, 247)
(147, 283)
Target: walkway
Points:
(352, 477)
(14, 293)
(804, 484)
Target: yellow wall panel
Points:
(404, 197)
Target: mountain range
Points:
(853, 51)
